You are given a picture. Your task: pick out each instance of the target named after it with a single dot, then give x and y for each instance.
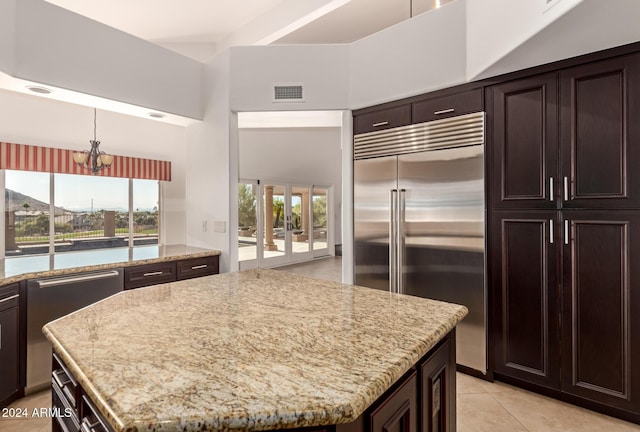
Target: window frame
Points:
(130, 200)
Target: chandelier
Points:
(93, 160)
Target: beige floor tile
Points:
(37, 400)
(24, 425)
(541, 414)
(466, 384)
(481, 413)
(329, 268)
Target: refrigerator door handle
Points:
(401, 240)
(393, 243)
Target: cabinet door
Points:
(601, 307)
(382, 119)
(9, 351)
(447, 106)
(600, 134)
(523, 253)
(439, 389)
(399, 412)
(523, 119)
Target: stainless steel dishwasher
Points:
(53, 297)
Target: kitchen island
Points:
(257, 350)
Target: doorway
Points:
(282, 223)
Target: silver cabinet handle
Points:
(9, 298)
(384, 123)
(45, 283)
(551, 231)
(444, 111)
(156, 273)
(566, 231)
(566, 188)
(551, 194)
(198, 267)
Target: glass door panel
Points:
(249, 235)
(320, 210)
(275, 234)
(300, 222)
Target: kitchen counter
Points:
(253, 350)
(14, 269)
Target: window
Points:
(90, 212)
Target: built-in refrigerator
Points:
(419, 219)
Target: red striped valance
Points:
(45, 159)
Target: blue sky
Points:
(75, 192)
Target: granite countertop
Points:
(253, 350)
(15, 269)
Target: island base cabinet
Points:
(398, 413)
(438, 385)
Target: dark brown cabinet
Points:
(149, 274)
(564, 230)
(382, 119)
(525, 295)
(600, 134)
(525, 143)
(399, 411)
(440, 107)
(568, 139)
(197, 267)
(438, 383)
(10, 370)
(601, 307)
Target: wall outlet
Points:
(204, 226)
(219, 226)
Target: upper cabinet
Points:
(382, 119)
(524, 119)
(600, 134)
(447, 106)
(569, 140)
(419, 109)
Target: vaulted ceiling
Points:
(200, 28)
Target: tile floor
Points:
(482, 406)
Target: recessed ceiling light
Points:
(157, 115)
(39, 89)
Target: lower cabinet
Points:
(10, 370)
(399, 412)
(566, 305)
(423, 400)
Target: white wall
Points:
(305, 156)
(57, 47)
(40, 121)
(7, 35)
(212, 161)
(497, 27)
(425, 53)
(591, 26)
(322, 69)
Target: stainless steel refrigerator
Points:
(419, 213)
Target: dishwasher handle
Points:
(46, 283)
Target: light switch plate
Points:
(219, 226)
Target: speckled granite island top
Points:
(253, 350)
(15, 269)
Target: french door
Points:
(281, 223)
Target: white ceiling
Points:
(199, 28)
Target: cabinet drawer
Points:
(382, 119)
(447, 106)
(149, 274)
(9, 296)
(196, 267)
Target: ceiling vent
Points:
(288, 92)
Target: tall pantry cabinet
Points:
(564, 224)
